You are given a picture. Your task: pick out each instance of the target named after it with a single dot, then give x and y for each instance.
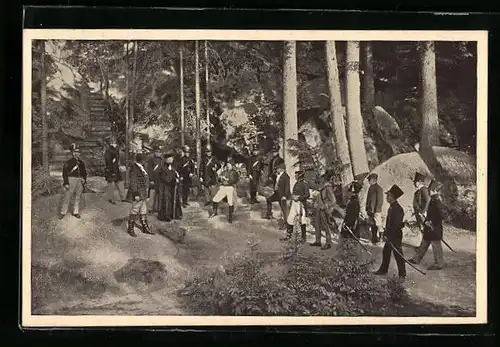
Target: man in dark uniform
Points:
(208, 173)
(139, 186)
(351, 212)
(187, 168)
(229, 178)
(74, 178)
(273, 162)
(420, 199)
(433, 229)
(153, 168)
(374, 200)
(298, 207)
(393, 234)
(112, 172)
(281, 193)
(254, 171)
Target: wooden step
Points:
(100, 122)
(100, 128)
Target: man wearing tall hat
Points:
(254, 171)
(393, 234)
(374, 200)
(433, 229)
(229, 178)
(350, 223)
(281, 194)
(420, 199)
(208, 173)
(325, 204)
(169, 202)
(298, 207)
(74, 178)
(112, 172)
(138, 186)
(153, 168)
(187, 169)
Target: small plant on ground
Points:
(42, 184)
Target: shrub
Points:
(42, 184)
(298, 283)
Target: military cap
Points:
(74, 147)
(354, 187)
(395, 191)
(435, 185)
(208, 148)
(418, 177)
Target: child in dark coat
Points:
(352, 212)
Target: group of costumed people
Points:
(162, 184)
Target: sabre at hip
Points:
(399, 253)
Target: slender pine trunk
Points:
(43, 110)
(198, 106)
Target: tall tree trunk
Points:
(181, 76)
(368, 81)
(43, 110)
(198, 106)
(337, 114)
(290, 106)
(353, 111)
(430, 121)
(133, 96)
(207, 96)
(127, 110)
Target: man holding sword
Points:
(74, 180)
(208, 174)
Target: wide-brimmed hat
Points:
(395, 191)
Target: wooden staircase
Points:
(94, 138)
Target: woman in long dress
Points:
(168, 191)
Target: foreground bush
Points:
(297, 284)
(42, 184)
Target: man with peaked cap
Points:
(393, 234)
(187, 169)
(273, 162)
(254, 171)
(229, 178)
(325, 204)
(352, 211)
(74, 178)
(112, 172)
(139, 186)
(420, 199)
(433, 229)
(169, 202)
(374, 201)
(208, 173)
(153, 168)
(300, 194)
(281, 194)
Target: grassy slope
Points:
(75, 261)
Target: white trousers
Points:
(296, 208)
(225, 192)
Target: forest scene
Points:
(390, 108)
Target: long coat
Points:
(153, 167)
(374, 199)
(139, 181)
(208, 170)
(282, 186)
(112, 162)
(351, 217)
(394, 222)
(433, 229)
(168, 194)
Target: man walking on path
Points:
(393, 234)
(112, 172)
(153, 168)
(208, 174)
(169, 202)
(433, 229)
(139, 185)
(325, 204)
(349, 225)
(374, 200)
(420, 199)
(229, 178)
(298, 208)
(281, 194)
(74, 178)
(254, 171)
(187, 168)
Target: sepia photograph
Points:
(224, 177)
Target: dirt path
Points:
(75, 260)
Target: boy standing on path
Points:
(74, 178)
(374, 200)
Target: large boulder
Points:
(401, 169)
